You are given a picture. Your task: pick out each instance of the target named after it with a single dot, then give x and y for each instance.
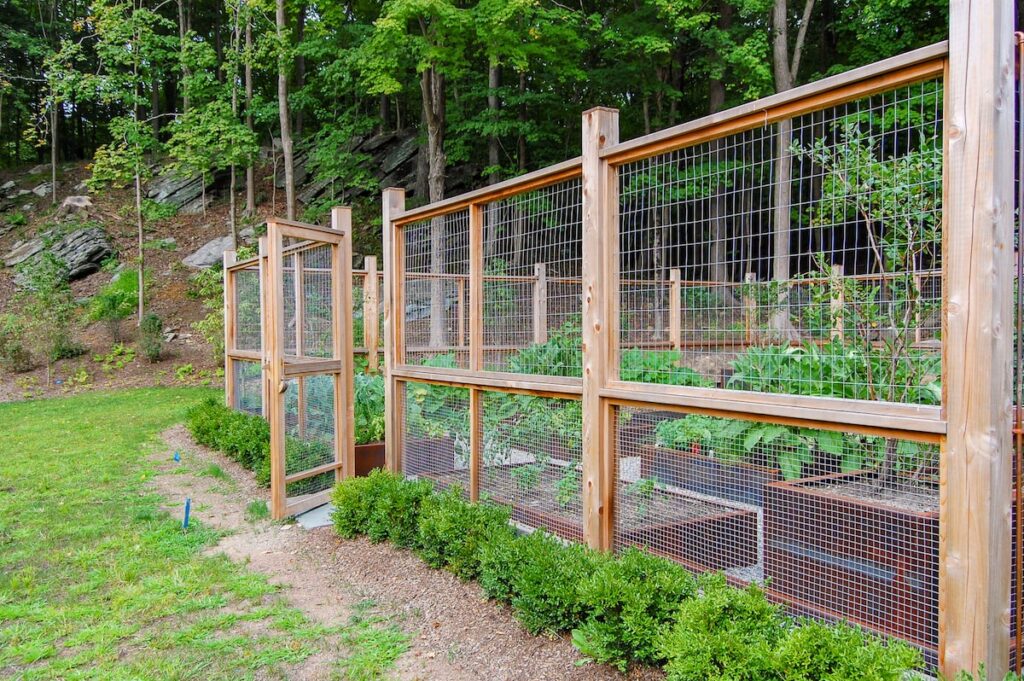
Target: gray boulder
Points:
(184, 193)
(8, 186)
(82, 251)
(43, 189)
(74, 205)
(209, 254)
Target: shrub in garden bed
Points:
(633, 608)
(242, 437)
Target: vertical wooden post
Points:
(298, 291)
(975, 469)
(750, 309)
(230, 332)
(371, 314)
(837, 301)
(392, 205)
(675, 309)
(600, 199)
(540, 303)
(275, 355)
(461, 322)
(476, 343)
(341, 303)
(264, 327)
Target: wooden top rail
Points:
(566, 170)
(905, 69)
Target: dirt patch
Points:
(917, 497)
(456, 633)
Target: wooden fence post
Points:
(476, 343)
(273, 337)
(540, 303)
(600, 249)
(975, 469)
(675, 309)
(837, 300)
(392, 205)
(371, 314)
(230, 332)
(344, 384)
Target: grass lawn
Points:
(97, 582)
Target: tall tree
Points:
(287, 149)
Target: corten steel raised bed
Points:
(733, 481)
(369, 456)
(716, 542)
(424, 456)
(873, 565)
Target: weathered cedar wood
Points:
(392, 204)
(975, 470)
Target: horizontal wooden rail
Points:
(297, 366)
(544, 386)
(905, 69)
(313, 472)
(910, 421)
(544, 177)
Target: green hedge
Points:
(242, 437)
(634, 608)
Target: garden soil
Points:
(455, 632)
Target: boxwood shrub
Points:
(634, 608)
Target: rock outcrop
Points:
(209, 254)
(82, 251)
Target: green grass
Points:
(97, 583)
(214, 471)
(257, 510)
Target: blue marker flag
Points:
(188, 512)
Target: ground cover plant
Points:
(622, 610)
(97, 582)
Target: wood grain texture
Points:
(344, 384)
(392, 204)
(371, 313)
(274, 347)
(975, 469)
(600, 128)
(540, 304)
(230, 333)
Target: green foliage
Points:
(452, 530)
(14, 354)
(115, 302)
(46, 308)
(153, 211)
(568, 491)
(208, 286)
(396, 508)
(369, 407)
(151, 337)
(242, 437)
(118, 358)
(16, 219)
(726, 633)
(527, 476)
(629, 600)
(560, 355)
(818, 652)
(659, 366)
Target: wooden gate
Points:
(307, 342)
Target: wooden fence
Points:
(855, 455)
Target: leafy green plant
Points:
(452, 530)
(642, 494)
(568, 491)
(115, 302)
(153, 211)
(184, 372)
(629, 600)
(17, 219)
(726, 633)
(118, 358)
(208, 287)
(813, 651)
(369, 408)
(151, 337)
(526, 477)
(14, 354)
(242, 437)
(46, 307)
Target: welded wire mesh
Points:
(837, 525)
(310, 431)
(532, 290)
(801, 257)
(436, 294)
(358, 309)
(248, 388)
(531, 460)
(289, 302)
(248, 331)
(317, 291)
(435, 436)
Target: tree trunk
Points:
(718, 268)
(493, 143)
(142, 253)
(286, 126)
(300, 68)
(432, 87)
(54, 150)
(184, 67)
(522, 121)
(250, 169)
(154, 106)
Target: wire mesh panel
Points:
(310, 429)
(358, 309)
(837, 525)
(531, 460)
(435, 439)
(248, 333)
(248, 392)
(532, 290)
(436, 291)
(317, 291)
(801, 257)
